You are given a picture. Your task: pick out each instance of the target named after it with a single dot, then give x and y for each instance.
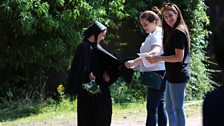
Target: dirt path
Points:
(136, 119)
(140, 121)
(193, 118)
(130, 120)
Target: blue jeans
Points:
(155, 105)
(174, 98)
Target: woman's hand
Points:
(152, 59)
(106, 77)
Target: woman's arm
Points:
(178, 57)
(155, 50)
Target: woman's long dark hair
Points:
(179, 24)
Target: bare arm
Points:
(178, 57)
(132, 63)
(154, 51)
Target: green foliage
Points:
(123, 93)
(17, 109)
(200, 75)
(26, 108)
(38, 39)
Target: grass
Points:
(53, 113)
(128, 109)
(28, 112)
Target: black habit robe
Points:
(94, 110)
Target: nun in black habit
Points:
(93, 63)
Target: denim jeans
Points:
(174, 98)
(155, 105)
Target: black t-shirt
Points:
(177, 72)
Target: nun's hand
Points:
(91, 76)
(106, 77)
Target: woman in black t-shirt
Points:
(176, 43)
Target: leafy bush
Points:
(38, 39)
(125, 93)
(200, 82)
